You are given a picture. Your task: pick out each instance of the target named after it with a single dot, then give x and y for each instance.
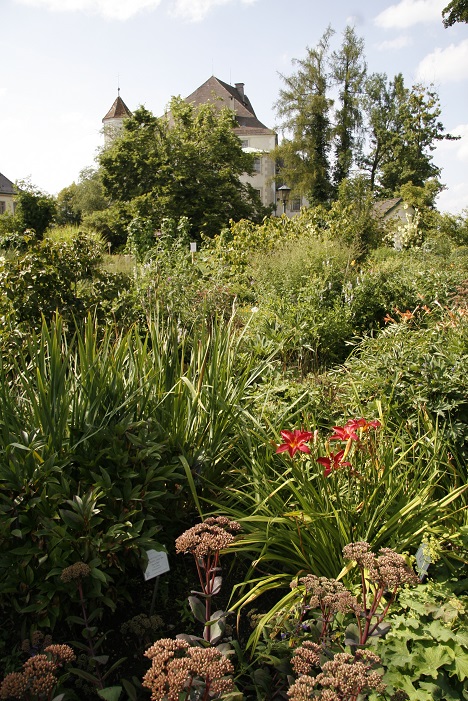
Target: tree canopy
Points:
(338, 123)
(185, 164)
(456, 11)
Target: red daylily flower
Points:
(334, 462)
(349, 430)
(294, 441)
(344, 433)
(363, 424)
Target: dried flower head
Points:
(305, 657)
(349, 676)
(329, 595)
(14, 686)
(360, 552)
(77, 571)
(176, 666)
(60, 654)
(208, 537)
(390, 570)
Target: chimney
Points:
(240, 90)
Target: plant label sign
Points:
(193, 247)
(157, 564)
(423, 559)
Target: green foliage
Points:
(80, 199)
(456, 11)
(44, 278)
(187, 164)
(426, 650)
(304, 106)
(348, 69)
(34, 209)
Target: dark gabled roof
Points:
(6, 186)
(217, 91)
(384, 207)
(118, 110)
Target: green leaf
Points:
(198, 609)
(428, 659)
(460, 662)
(112, 693)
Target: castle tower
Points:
(114, 119)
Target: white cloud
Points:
(109, 9)
(395, 44)
(410, 12)
(445, 65)
(196, 10)
(192, 10)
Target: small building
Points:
(114, 119)
(394, 210)
(254, 136)
(7, 194)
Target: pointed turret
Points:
(114, 119)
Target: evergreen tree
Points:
(456, 11)
(348, 70)
(304, 108)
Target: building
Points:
(7, 193)
(114, 119)
(393, 210)
(255, 137)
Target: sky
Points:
(64, 60)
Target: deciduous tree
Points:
(185, 164)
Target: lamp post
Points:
(283, 192)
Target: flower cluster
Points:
(389, 569)
(79, 570)
(213, 535)
(178, 668)
(342, 679)
(352, 431)
(38, 676)
(329, 595)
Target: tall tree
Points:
(304, 108)
(403, 128)
(456, 11)
(186, 164)
(378, 111)
(348, 70)
(416, 129)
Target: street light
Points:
(283, 192)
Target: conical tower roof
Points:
(119, 110)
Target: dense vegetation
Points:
(291, 398)
(137, 401)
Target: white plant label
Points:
(157, 564)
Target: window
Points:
(296, 204)
(244, 143)
(257, 165)
(258, 190)
(2, 206)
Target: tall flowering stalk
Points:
(388, 572)
(205, 541)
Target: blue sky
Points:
(62, 61)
